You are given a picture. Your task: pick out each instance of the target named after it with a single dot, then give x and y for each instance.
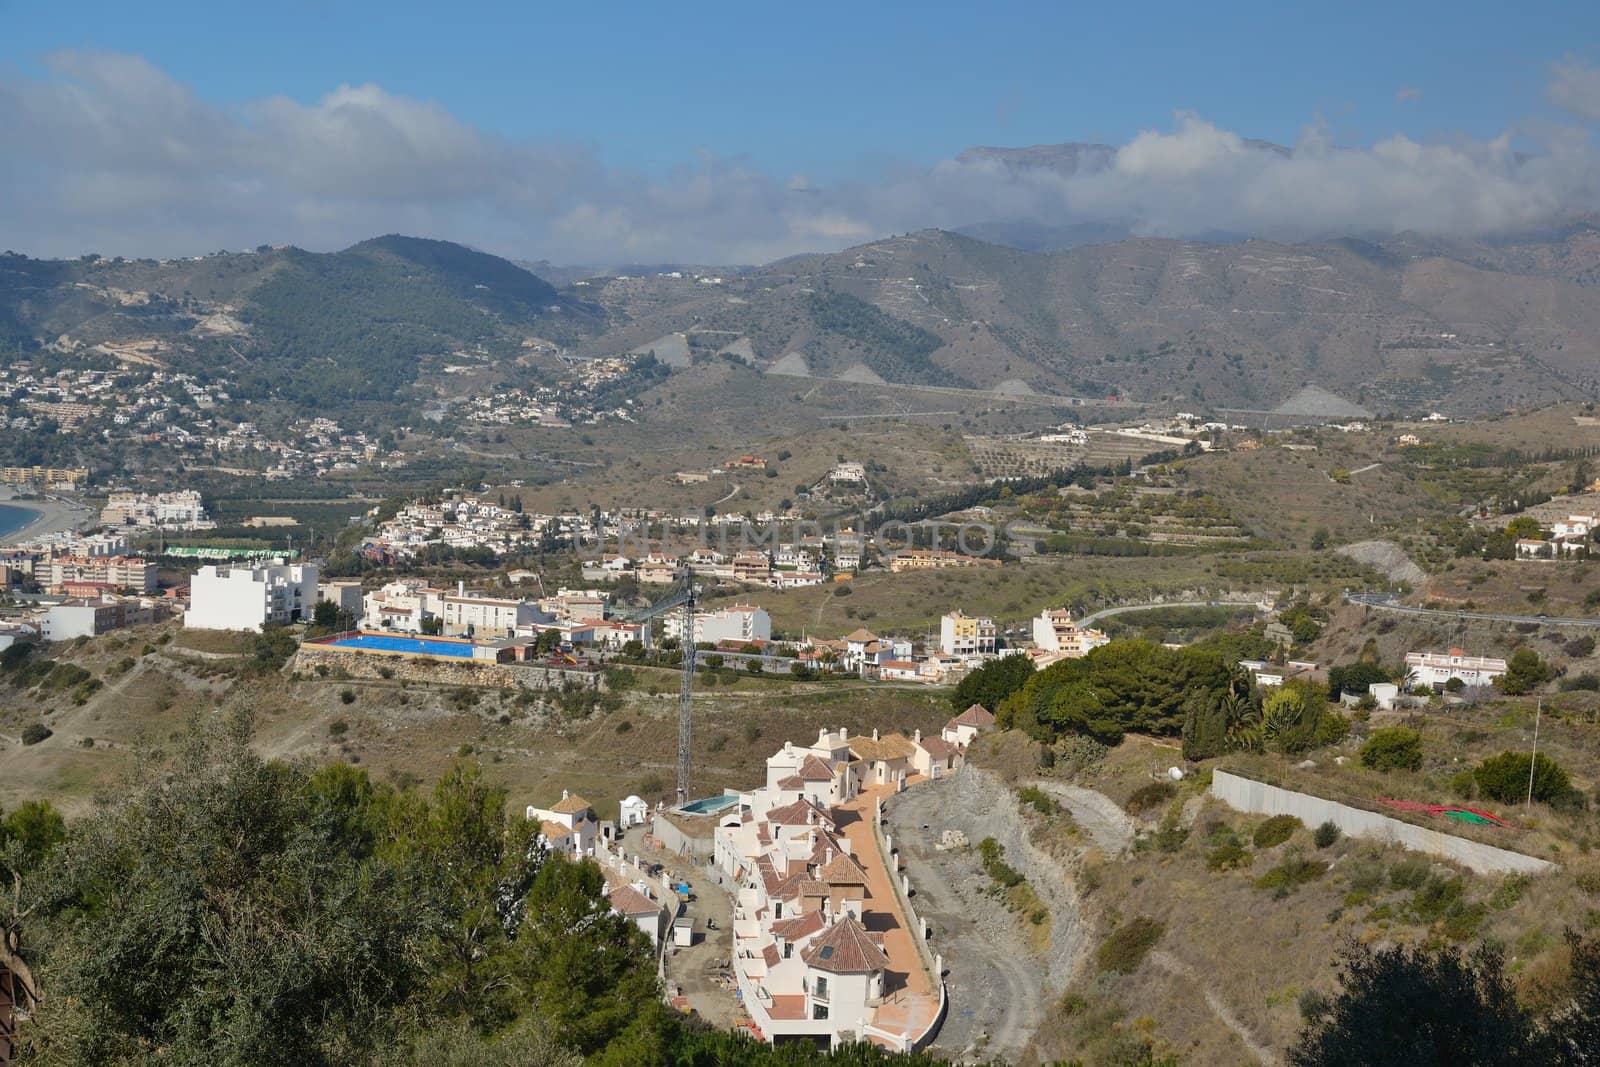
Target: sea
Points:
(13, 518)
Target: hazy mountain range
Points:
(1400, 323)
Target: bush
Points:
(624, 726)
(1394, 749)
(1126, 947)
(35, 732)
(1505, 778)
(1410, 873)
(1325, 835)
(1227, 856)
(1291, 874)
(993, 854)
(1150, 796)
(338, 728)
(1275, 830)
(1037, 799)
(347, 696)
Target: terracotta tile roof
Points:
(815, 770)
(892, 746)
(571, 804)
(771, 955)
(810, 887)
(976, 715)
(937, 747)
(798, 813)
(630, 902)
(861, 636)
(845, 948)
(800, 927)
(554, 831)
(842, 870)
(794, 781)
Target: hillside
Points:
(316, 329)
(1402, 325)
(1405, 325)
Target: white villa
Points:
(1055, 632)
(1436, 668)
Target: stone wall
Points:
(1246, 794)
(533, 677)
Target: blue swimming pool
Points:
(423, 646)
(708, 805)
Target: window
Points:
(819, 1011)
(821, 992)
(788, 951)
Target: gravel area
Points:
(999, 986)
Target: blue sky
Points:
(820, 88)
(665, 105)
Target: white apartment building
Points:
(345, 594)
(115, 572)
(247, 598)
(1436, 668)
(1054, 631)
(484, 616)
(181, 510)
(90, 618)
(402, 606)
(966, 635)
(737, 622)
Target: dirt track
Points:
(999, 985)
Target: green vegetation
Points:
(1400, 1004)
(893, 348)
(1325, 835)
(1126, 947)
(1506, 777)
(1525, 672)
(1275, 830)
(993, 853)
(1149, 797)
(992, 683)
(320, 917)
(1393, 749)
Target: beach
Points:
(52, 513)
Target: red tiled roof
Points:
(845, 948)
(976, 715)
(799, 927)
(629, 901)
(814, 770)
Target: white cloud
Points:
(1575, 86)
(107, 153)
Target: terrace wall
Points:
(1246, 794)
(354, 664)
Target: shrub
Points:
(1275, 830)
(35, 732)
(347, 696)
(1150, 796)
(1227, 857)
(385, 672)
(1291, 874)
(993, 854)
(1505, 777)
(1410, 872)
(624, 726)
(1325, 835)
(1394, 749)
(1037, 799)
(1127, 946)
(338, 728)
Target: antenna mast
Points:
(685, 687)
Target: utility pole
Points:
(1533, 761)
(685, 687)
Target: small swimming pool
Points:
(708, 805)
(416, 646)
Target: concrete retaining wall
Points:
(1246, 794)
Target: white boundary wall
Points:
(1246, 794)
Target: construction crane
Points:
(682, 597)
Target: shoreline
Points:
(51, 514)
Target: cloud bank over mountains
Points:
(107, 153)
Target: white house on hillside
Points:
(247, 598)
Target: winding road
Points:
(1090, 620)
(1389, 602)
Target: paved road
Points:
(1090, 620)
(1387, 602)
